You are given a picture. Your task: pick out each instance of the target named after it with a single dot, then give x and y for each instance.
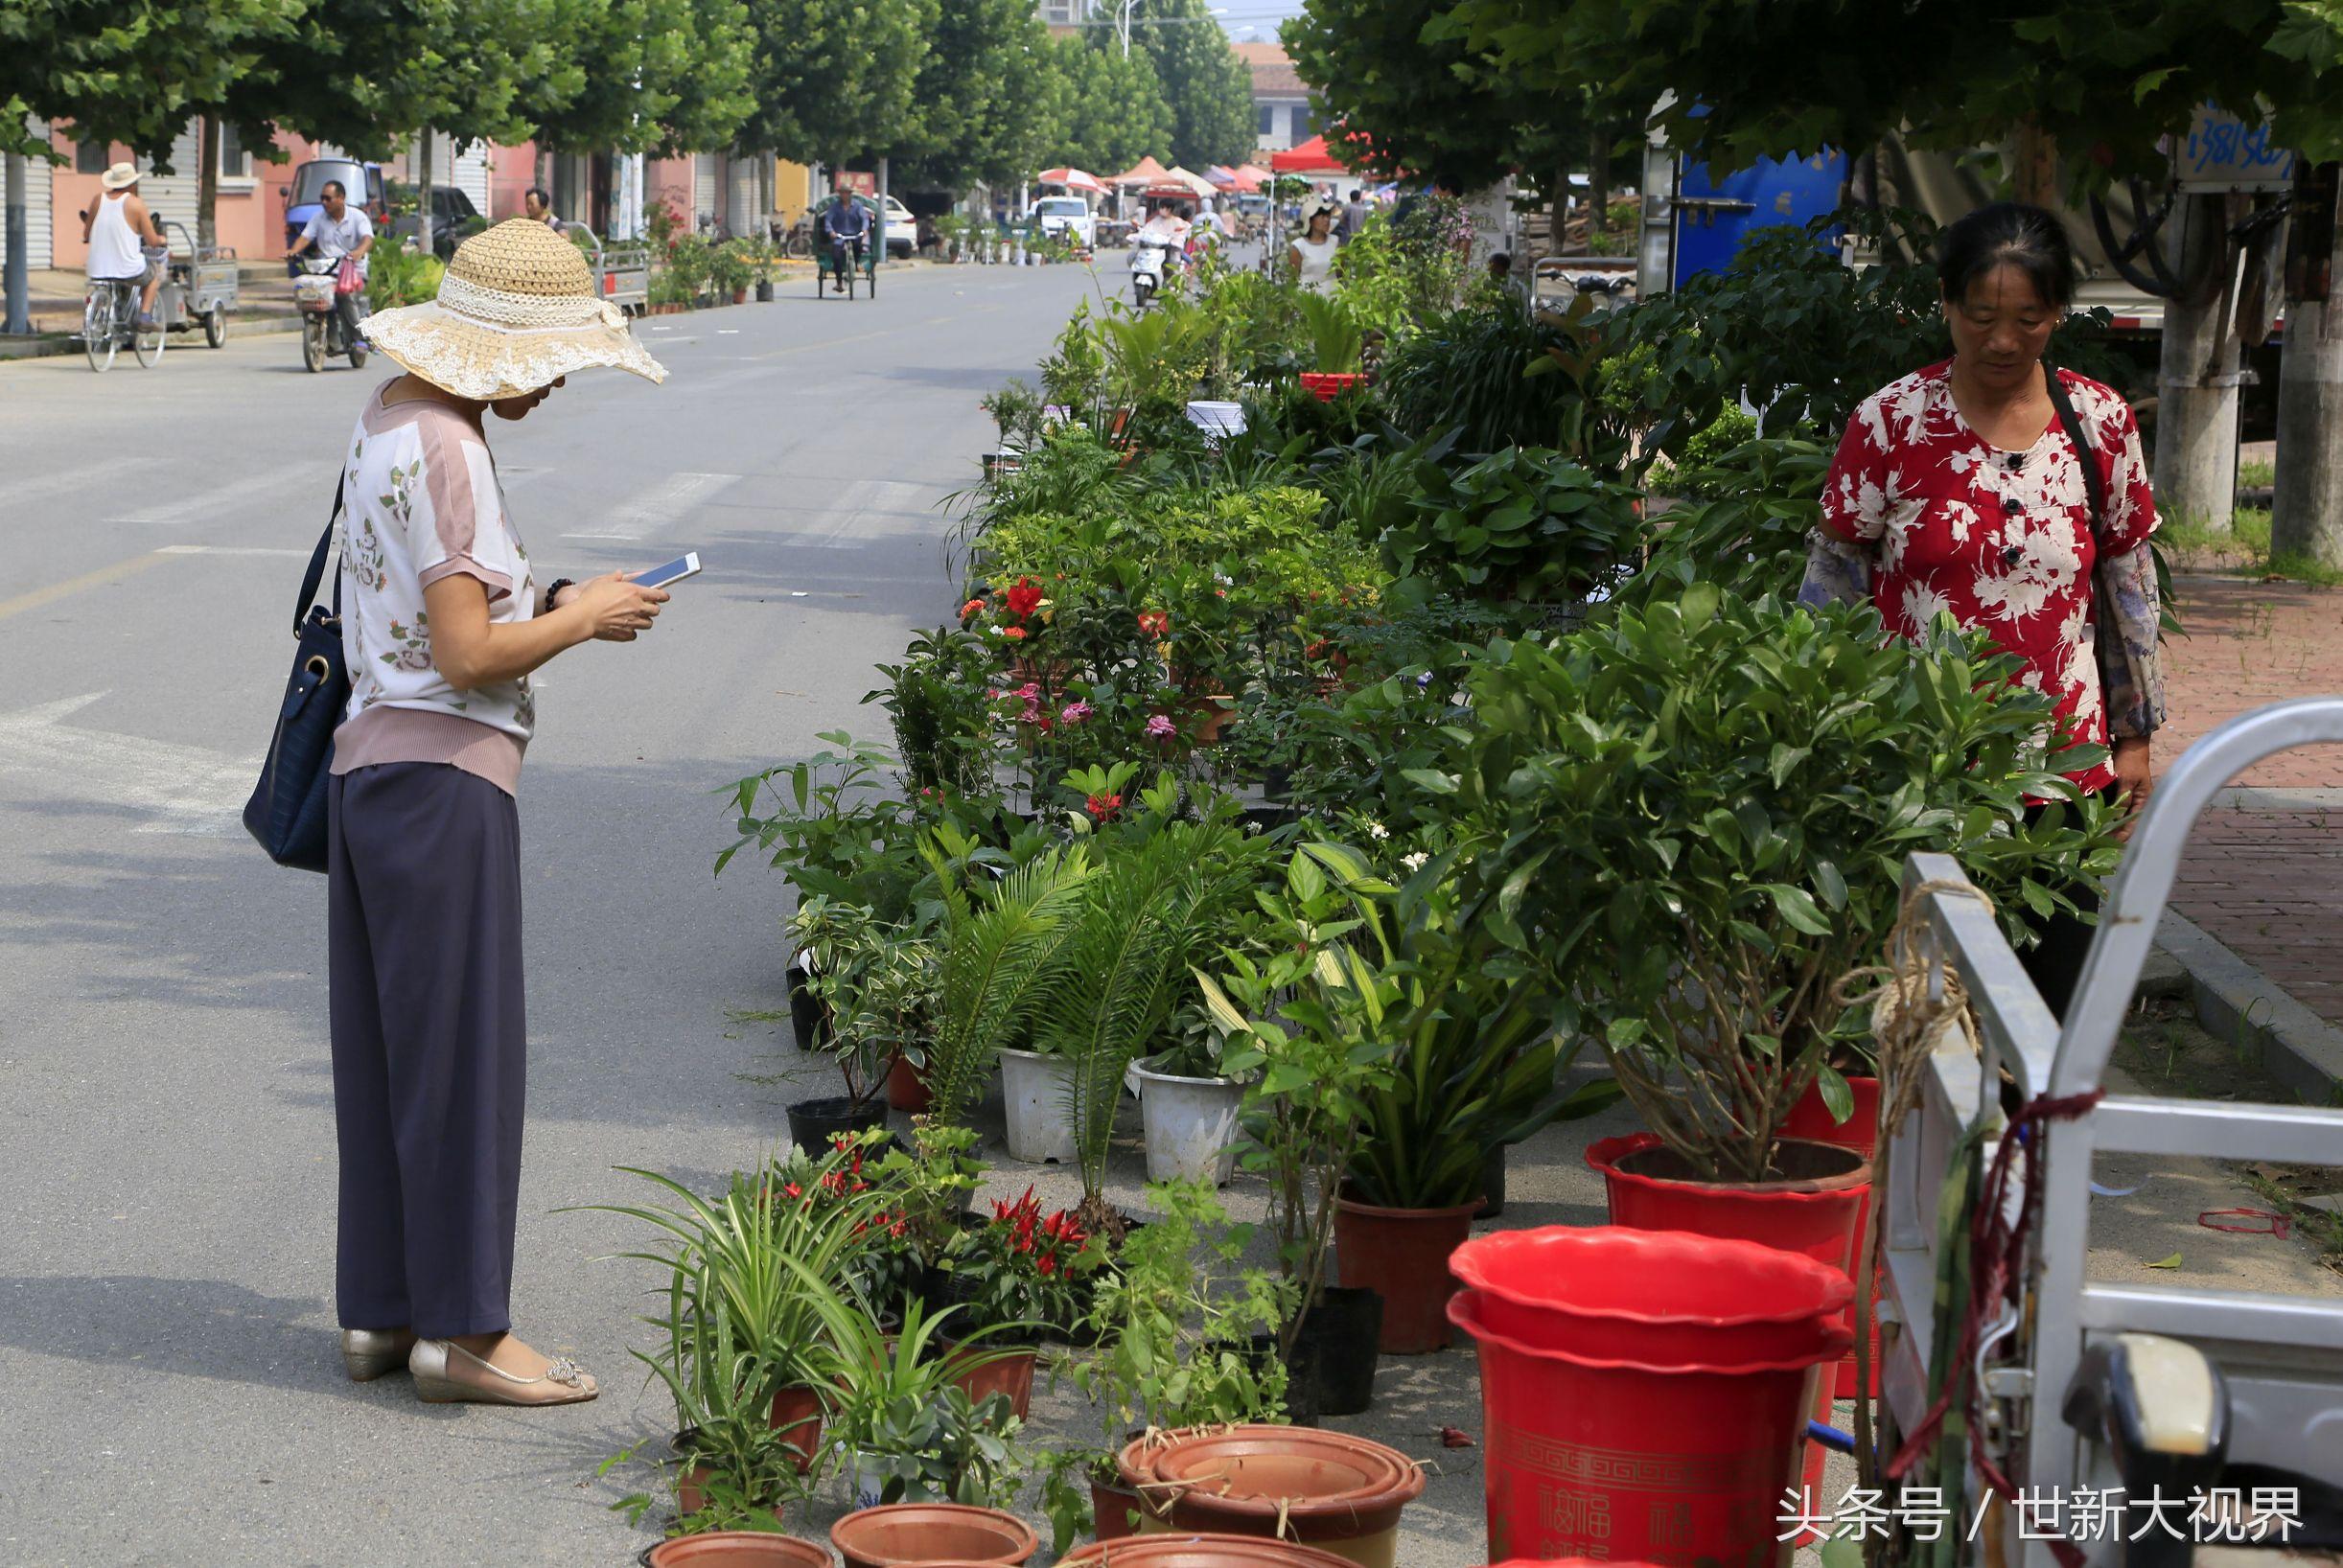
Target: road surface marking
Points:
(187, 508)
(55, 592)
(860, 500)
(118, 478)
(654, 508)
(183, 788)
(238, 549)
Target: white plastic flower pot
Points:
(1190, 1125)
(1040, 1093)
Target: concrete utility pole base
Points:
(2196, 380)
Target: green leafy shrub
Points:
(1497, 379)
(401, 277)
(1524, 523)
(1745, 528)
(1698, 816)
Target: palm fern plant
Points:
(1337, 340)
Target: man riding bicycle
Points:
(125, 243)
(341, 231)
(846, 225)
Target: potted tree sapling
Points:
(875, 982)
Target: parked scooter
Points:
(323, 331)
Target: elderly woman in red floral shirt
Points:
(2015, 498)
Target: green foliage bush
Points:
(1524, 523)
(401, 277)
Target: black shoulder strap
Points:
(315, 574)
(2094, 483)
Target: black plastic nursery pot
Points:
(1492, 1184)
(1332, 1369)
(806, 1020)
(815, 1125)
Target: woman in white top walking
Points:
(115, 227)
(1311, 256)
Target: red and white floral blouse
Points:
(2000, 539)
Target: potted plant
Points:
(1182, 1327)
(1303, 1012)
(1019, 1275)
(875, 984)
(1189, 1106)
(1337, 341)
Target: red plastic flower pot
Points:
(907, 1087)
(1402, 1256)
(1810, 1118)
(932, 1532)
(1584, 1455)
(1326, 385)
(1323, 1488)
(1812, 1209)
(1006, 1371)
(1179, 1551)
(796, 1415)
(738, 1549)
(1659, 1297)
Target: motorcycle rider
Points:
(1165, 227)
(341, 230)
(846, 225)
(125, 240)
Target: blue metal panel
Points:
(1712, 216)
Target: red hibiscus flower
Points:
(1025, 598)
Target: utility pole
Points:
(2196, 380)
(18, 277)
(2306, 510)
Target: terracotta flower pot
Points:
(1402, 1256)
(1114, 1508)
(796, 1415)
(1340, 1494)
(1199, 1551)
(907, 1088)
(738, 1549)
(1811, 1210)
(1211, 717)
(1012, 1373)
(932, 1532)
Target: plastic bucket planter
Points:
(1190, 1125)
(1657, 1297)
(737, 1549)
(1810, 1118)
(1177, 1550)
(1326, 385)
(1340, 1494)
(932, 1532)
(1038, 1092)
(1811, 1210)
(1588, 1456)
(1402, 1253)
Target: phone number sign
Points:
(2222, 153)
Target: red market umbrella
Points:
(1312, 157)
(1073, 179)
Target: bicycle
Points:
(109, 320)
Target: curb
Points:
(2239, 1003)
(63, 344)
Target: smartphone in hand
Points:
(686, 565)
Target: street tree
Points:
(643, 76)
(834, 78)
(1207, 88)
(1116, 113)
(990, 104)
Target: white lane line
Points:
(183, 788)
(236, 549)
(645, 514)
(118, 478)
(228, 497)
(861, 500)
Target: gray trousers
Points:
(423, 932)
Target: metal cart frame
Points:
(2282, 1356)
(207, 284)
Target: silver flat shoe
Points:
(436, 1364)
(370, 1352)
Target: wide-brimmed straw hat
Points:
(516, 312)
(120, 178)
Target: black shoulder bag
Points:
(286, 811)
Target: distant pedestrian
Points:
(537, 204)
(1309, 256)
(125, 243)
(1354, 218)
(442, 623)
(2015, 499)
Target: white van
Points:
(1063, 215)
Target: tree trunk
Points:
(207, 181)
(423, 192)
(2034, 171)
(2197, 382)
(1598, 186)
(1559, 205)
(2306, 511)
(17, 276)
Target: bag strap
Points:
(315, 574)
(2094, 483)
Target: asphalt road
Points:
(170, 1390)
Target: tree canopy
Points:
(1206, 87)
(834, 78)
(990, 101)
(1115, 109)
(128, 74)
(644, 76)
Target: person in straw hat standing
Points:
(125, 243)
(443, 622)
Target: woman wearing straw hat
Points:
(443, 621)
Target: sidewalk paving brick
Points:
(2263, 876)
